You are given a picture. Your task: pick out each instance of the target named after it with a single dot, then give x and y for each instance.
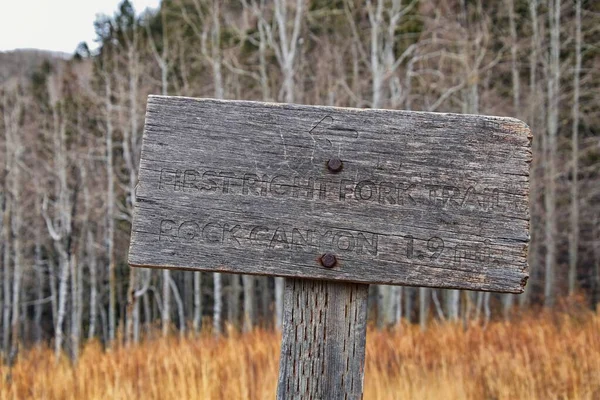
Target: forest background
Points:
(72, 126)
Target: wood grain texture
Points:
(423, 199)
(323, 342)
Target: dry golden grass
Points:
(545, 356)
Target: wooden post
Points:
(323, 343)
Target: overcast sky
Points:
(57, 25)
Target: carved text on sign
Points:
(326, 188)
(271, 237)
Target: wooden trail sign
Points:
(334, 195)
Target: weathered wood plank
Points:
(323, 342)
(423, 199)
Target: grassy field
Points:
(537, 356)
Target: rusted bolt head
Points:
(328, 260)
(335, 165)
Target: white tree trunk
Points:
(60, 227)
(62, 305)
(233, 306)
(6, 277)
(508, 299)
(452, 304)
(18, 259)
(574, 238)
(377, 71)
(533, 117)
(197, 323)
(550, 197)
(423, 307)
(130, 155)
(166, 302)
(408, 303)
(6, 233)
(39, 272)
(52, 274)
(92, 266)
(249, 300)
(110, 217)
(12, 131)
(514, 48)
(76, 295)
(218, 303)
(279, 286)
(287, 49)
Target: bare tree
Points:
(383, 61)
(379, 55)
(249, 313)
(60, 226)
(13, 107)
(162, 59)
(110, 203)
(574, 239)
(533, 111)
(284, 41)
(285, 45)
(197, 322)
(131, 152)
(205, 23)
(508, 299)
(550, 196)
(6, 229)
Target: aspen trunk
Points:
(197, 324)
(6, 275)
(130, 151)
(535, 178)
(52, 274)
(39, 272)
(423, 306)
(162, 59)
(233, 306)
(550, 197)
(514, 56)
(287, 48)
(17, 223)
(248, 285)
(60, 227)
(90, 253)
(76, 302)
(508, 299)
(376, 20)
(166, 302)
(279, 284)
(574, 238)
(110, 217)
(452, 304)
(218, 303)
(408, 303)
(62, 305)
(92, 266)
